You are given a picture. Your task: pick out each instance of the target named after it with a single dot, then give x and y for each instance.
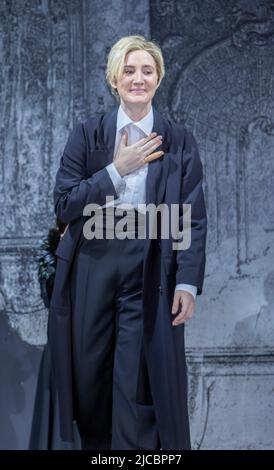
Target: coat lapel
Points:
(105, 134)
(158, 169)
(156, 177)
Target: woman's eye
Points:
(131, 71)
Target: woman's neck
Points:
(136, 112)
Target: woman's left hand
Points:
(183, 305)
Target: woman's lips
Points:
(137, 91)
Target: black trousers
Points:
(114, 407)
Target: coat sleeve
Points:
(191, 262)
(74, 187)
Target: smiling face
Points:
(137, 83)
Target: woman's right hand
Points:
(131, 157)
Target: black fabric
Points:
(45, 430)
(108, 359)
(174, 178)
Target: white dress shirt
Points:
(130, 188)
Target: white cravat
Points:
(131, 188)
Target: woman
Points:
(117, 314)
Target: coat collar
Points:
(145, 124)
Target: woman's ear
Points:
(113, 83)
(158, 84)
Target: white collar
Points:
(145, 124)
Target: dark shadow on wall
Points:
(19, 364)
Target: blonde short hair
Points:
(117, 56)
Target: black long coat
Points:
(175, 178)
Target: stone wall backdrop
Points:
(220, 82)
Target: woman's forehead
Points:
(135, 56)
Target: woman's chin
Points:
(137, 99)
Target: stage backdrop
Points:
(220, 83)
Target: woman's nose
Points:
(138, 78)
